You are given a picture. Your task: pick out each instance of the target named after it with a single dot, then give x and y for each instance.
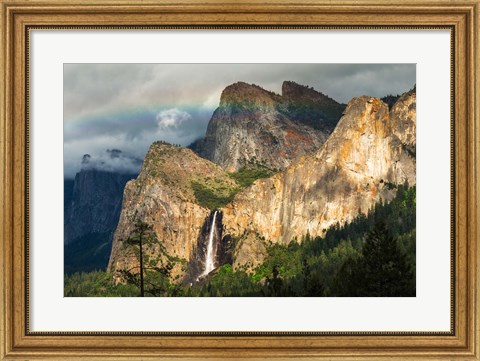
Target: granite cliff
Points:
(92, 205)
(255, 125)
(370, 151)
(95, 203)
(165, 196)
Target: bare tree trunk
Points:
(142, 290)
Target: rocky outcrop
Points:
(163, 196)
(255, 125)
(370, 151)
(403, 114)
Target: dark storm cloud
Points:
(128, 106)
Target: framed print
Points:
(220, 180)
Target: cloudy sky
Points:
(129, 106)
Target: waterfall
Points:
(210, 255)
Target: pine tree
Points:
(138, 237)
(274, 284)
(143, 235)
(381, 270)
(384, 267)
(312, 286)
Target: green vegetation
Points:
(372, 256)
(101, 284)
(209, 198)
(380, 270)
(214, 194)
(249, 173)
(225, 283)
(96, 284)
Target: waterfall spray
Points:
(210, 256)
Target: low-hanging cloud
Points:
(112, 160)
(172, 118)
(133, 136)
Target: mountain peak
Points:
(256, 125)
(292, 90)
(175, 167)
(241, 93)
(308, 106)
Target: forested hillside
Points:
(374, 255)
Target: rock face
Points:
(95, 203)
(210, 236)
(371, 150)
(163, 196)
(404, 113)
(305, 105)
(255, 125)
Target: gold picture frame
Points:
(20, 16)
